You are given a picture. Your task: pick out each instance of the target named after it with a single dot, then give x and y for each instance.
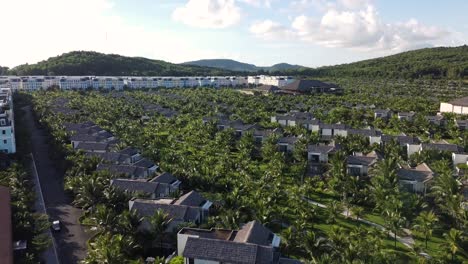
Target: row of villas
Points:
(7, 124)
(137, 176)
(32, 83)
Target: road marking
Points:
(45, 210)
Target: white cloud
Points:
(353, 24)
(269, 30)
(50, 27)
(258, 3)
(208, 13)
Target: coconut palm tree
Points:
(425, 223)
(158, 223)
(453, 243)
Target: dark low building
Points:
(311, 87)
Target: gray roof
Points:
(93, 146)
(256, 233)
(130, 151)
(128, 170)
(182, 213)
(420, 173)
(88, 138)
(441, 147)
(227, 251)
(113, 157)
(333, 126)
(166, 177)
(288, 140)
(191, 198)
(140, 186)
(460, 101)
(268, 88)
(145, 163)
(402, 140)
(320, 149)
(361, 160)
(365, 132)
(265, 132)
(307, 85)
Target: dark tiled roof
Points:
(93, 146)
(88, 138)
(268, 88)
(130, 151)
(320, 149)
(227, 251)
(192, 198)
(145, 163)
(441, 147)
(113, 157)
(364, 132)
(166, 177)
(402, 140)
(333, 126)
(420, 173)
(288, 140)
(176, 212)
(361, 160)
(140, 186)
(460, 101)
(307, 85)
(255, 233)
(128, 170)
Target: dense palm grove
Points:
(248, 181)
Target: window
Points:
(4, 141)
(3, 131)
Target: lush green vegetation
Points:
(431, 63)
(249, 181)
(94, 63)
(28, 225)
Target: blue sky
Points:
(263, 32)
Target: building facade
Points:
(7, 124)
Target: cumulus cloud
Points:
(258, 3)
(208, 13)
(270, 30)
(51, 27)
(354, 24)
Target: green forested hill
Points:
(94, 63)
(451, 63)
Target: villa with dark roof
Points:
(252, 244)
(189, 208)
(149, 189)
(310, 87)
(415, 179)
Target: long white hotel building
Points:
(32, 83)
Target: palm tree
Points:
(108, 248)
(453, 241)
(334, 210)
(357, 211)
(158, 223)
(425, 224)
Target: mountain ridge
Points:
(233, 65)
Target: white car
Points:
(56, 225)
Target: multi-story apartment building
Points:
(7, 124)
(32, 83)
(278, 81)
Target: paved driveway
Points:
(71, 240)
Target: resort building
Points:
(457, 106)
(7, 124)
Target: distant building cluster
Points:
(7, 124)
(32, 83)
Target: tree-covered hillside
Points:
(94, 63)
(451, 63)
(3, 70)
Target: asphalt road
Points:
(71, 240)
